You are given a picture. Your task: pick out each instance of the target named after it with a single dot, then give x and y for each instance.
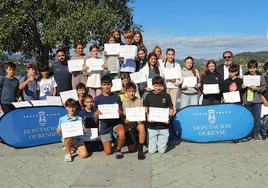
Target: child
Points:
(173, 84)
(129, 64)
(78, 76)
(138, 40)
(93, 81)
(160, 59)
(189, 95)
(130, 127)
(211, 76)
(116, 33)
(123, 92)
(158, 132)
(46, 84)
(9, 88)
(28, 84)
(75, 142)
(108, 126)
(233, 83)
(265, 103)
(141, 59)
(81, 92)
(252, 98)
(111, 61)
(150, 70)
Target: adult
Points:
(61, 72)
(228, 61)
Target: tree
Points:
(35, 27)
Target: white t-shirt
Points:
(46, 87)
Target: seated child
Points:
(158, 132)
(132, 101)
(73, 142)
(81, 92)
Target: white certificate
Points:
(252, 80)
(211, 89)
(112, 49)
(72, 129)
(91, 134)
(231, 97)
(21, 104)
(190, 81)
(75, 65)
(117, 85)
(39, 102)
(128, 51)
(170, 73)
(54, 100)
(158, 114)
(94, 64)
(138, 77)
(150, 84)
(135, 114)
(109, 111)
(71, 94)
(264, 110)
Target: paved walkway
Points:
(185, 165)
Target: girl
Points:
(94, 77)
(46, 84)
(125, 80)
(116, 33)
(189, 95)
(138, 40)
(157, 50)
(141, 59)
(172, 84)
(211, 77)
(150, 70)
(252, 97)
(78, 76)
(112, 61)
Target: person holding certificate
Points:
(132, 101)
(158, 131)
(189, 94)
(74, 141)
(172, 83)
(78, 76)
(109, 126)
(150, 70)
(211, 76)
(252, 97)
(141, 59)
(94, 77)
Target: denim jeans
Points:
(158, 140)
(264, 125)
(187, 100)
(255, 109)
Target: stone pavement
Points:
(184, 165)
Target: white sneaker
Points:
(68, 158)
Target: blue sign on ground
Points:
(212, 123)
(25, 127)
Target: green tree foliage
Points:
(35, 27)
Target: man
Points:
(61, 72)
(228, 61)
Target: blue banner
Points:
(212, 123)
(31, 126)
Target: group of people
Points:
(94, 89)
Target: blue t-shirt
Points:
(29, 92)
(88, 117)
(9, 90)
(66, 119)
(107, 124)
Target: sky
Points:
(203, 28)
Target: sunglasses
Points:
(225, 57)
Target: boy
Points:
(265, 103)
(233, 83)
(81, 92)
(28, 84)
(132, 101)
(75, 142)
(108, 126)
(158, 132)
(9, 88)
